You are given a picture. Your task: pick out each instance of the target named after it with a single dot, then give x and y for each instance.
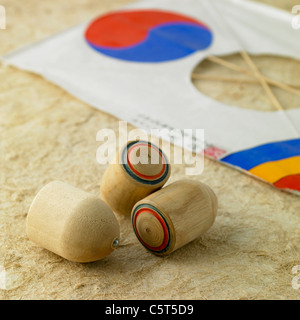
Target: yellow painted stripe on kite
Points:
(275, 170)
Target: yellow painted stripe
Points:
(275, 170)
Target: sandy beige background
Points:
(47, 134)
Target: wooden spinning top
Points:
(173, 216)
(143, 169)
(72, 223)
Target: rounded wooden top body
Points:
(174, 215)
(72, 223)
(141, 169)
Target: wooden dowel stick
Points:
(236, 80)
(262, 81)
(173, 216)
(240, 69)
(229, 65)
(223, 79)
(289, 88)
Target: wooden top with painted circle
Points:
(150, 229)
(145, 163)
(146, 160)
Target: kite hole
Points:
(259, 82)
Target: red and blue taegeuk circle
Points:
(147, 35)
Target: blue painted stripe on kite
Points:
(250, 158)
